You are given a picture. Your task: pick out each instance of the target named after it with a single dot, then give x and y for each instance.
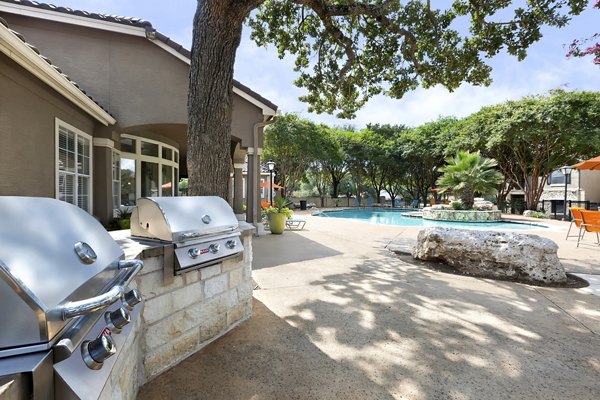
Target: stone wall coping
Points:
(462, 215)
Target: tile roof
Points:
(49, 62)
(137, 22)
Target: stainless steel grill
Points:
(63, 286)
(203, 230)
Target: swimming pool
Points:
(399, 218)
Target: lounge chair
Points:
(576, 213)
(295, 224)
(590, 222)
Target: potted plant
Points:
(124, 217)
(277, 214)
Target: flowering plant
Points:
(576, 48)
(280, 207)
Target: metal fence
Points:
(554, 208)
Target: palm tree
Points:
(469, 173)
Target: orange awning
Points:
(593, 163)
(266, 185)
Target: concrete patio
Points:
(338, 316)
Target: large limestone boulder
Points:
(501, 255)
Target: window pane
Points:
(167, 181)
(128, 182)
(176, 159)
(128, 145)
(167, 153)
(176, 179)
(149, 149)
(116, 166)
(83, 192)
(66, 188)
(83, 156)
(558, 177)
(149, 179)
(116, 180)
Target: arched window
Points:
(148, 169)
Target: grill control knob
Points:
(194, 252)
(214, 248)
(206, 219)
(117, 319)
(231, 244)
(131, 298)
(96, 351)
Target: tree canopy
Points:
(347, 52)
(536, 135)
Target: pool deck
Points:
(339, 316)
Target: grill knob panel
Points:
(95, 352)
(194, 252)
(214, 248)
(117, 319)
(230, 244)
(131, 298)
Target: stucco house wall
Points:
(141, 81)
(28, 109)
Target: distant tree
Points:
(373, 140)
(333, 158)
(468, 174)
(537, 135)
(355, 160)
(424, 150)
(348, 52)
(292, 143)
(476, 133)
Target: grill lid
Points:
(178, 219)
(50, 252)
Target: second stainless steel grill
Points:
(203, 229)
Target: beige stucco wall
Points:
(590, 183)
(135, 80)
(28, 109)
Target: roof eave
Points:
(19, 52)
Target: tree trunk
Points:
(217, 35)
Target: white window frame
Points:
(114, 153)
(138, 158)
(57, 124)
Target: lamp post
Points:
(566, 171)
(348, 194)
(271, 166)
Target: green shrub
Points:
(457, 205)
(537, 214)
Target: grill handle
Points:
(87, 306)
(124, 264)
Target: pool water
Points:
(399, 218)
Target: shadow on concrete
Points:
(420, 335)
(265, 358)
(273, 250)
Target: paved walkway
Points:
(337, 316)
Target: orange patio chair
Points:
(576, 213)
(590, 222)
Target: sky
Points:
(545, 68)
